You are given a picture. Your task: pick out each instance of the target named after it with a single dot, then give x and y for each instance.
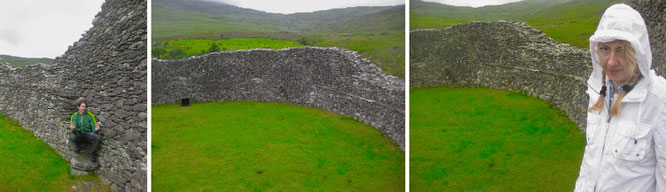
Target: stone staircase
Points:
(80, 164)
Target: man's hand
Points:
(71, 127)
(97, 128)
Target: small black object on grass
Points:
(259, 172)
(185, 102)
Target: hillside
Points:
(23, 61)
(178, 14)
(567, 21)
(375, 32)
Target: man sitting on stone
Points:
(84, 129)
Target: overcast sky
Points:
(475, 3)
(38, 28)
(293, 6)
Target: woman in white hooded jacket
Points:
(626, 119)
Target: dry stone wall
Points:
(108, 67)
(504, 55)
(654, 14)
(334, 79)
(513, 56)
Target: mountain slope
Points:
(214, 17)
(375, 32)
(510, 10)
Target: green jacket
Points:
(83, 122)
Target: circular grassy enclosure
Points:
(481, 139)
(259, 146)
(29, 164)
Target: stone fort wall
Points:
(108, 67)
(654, 14)
(334, 79)
(513, 56)
(504, 55)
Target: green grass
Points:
(174, 22)
(23, 61)
(257, 146)
(28, 164)
(571, 23)
(382, 49)
(480, 139)
(183, 48)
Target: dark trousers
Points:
(86, 137)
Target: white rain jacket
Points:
(626, 152)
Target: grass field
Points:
(28, 164)
(257, 146)
(169, 21)
(382, 49)
(480, 139)
(183, 48)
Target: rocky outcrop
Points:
(334, 79)
(108, 67)
(504, 55)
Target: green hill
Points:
(22, 61)
(377, 33)
(566, 21)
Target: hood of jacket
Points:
(620, 22)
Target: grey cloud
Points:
(10, 36)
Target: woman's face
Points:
(614, 61)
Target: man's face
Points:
(82, 107)
(614, 62)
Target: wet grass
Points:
(29, 164)
(258, 146)
(480, 139)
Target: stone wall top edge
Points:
(517, 23)
(354, 53)
(521, 27)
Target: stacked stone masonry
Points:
(108, 67)
(654, 14)
(503, 55)
(513, 56)
(333, 79)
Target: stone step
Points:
(80, 163)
